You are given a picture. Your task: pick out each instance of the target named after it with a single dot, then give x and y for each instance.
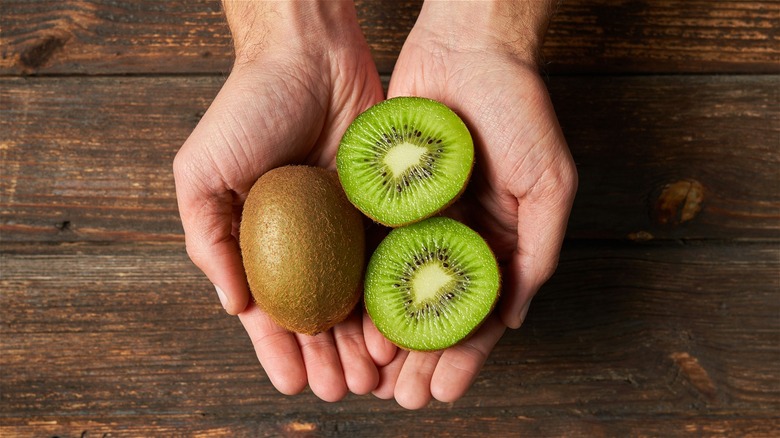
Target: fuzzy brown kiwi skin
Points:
(300, 216)
(476, 328)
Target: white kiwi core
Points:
(428, 281)
(403, 156)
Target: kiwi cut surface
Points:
(405, 159)
(302, 245)
(430, 284)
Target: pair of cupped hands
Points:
(289, 99)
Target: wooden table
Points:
(663, 318)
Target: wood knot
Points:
(39, 54)
(678, 202)
(63, 226)
(695, 373)
(298, 427)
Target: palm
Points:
(523, 163)
(278, 110)
(290, 114)
(518, 199)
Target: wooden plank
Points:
(663, 157)
(627, 339)
(667, 36)
(91, 158)
(596, 36)
(126, 36)
(659, 157)
(443, 423)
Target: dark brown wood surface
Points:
(627, 338)
(106, 145)
(662, 320)
(597, 36)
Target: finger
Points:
(381, 350)
(323, 366)
(542, 216)
(207, 218)
(460, 365)
(521, 290)
(277, 350)
(388, 376)
(360, 373)
(220, 260)
(413, 388)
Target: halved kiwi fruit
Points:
(430, 284)
(405, 159)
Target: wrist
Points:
(310, 27)
(515, 27)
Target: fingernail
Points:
(524, 312)
(222, 297)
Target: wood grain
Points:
(673, 157)
(667, 36)
(659, 157)
(107, 37)
(627, 339)
(594, 36)
(662, 320)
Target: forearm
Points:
(287, 25)
(517, 26)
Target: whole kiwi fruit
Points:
(302, 245)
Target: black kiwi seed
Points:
(417, 121)
(447, 316)
(423, 171)
(423, 257)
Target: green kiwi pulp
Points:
(430, 284)
(405, 159)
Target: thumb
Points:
(541, 228)
(208, 220)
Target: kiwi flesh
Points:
(429, 285)
(302, 245)
(405, 159)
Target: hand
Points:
(297, 83)
(523, 187)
